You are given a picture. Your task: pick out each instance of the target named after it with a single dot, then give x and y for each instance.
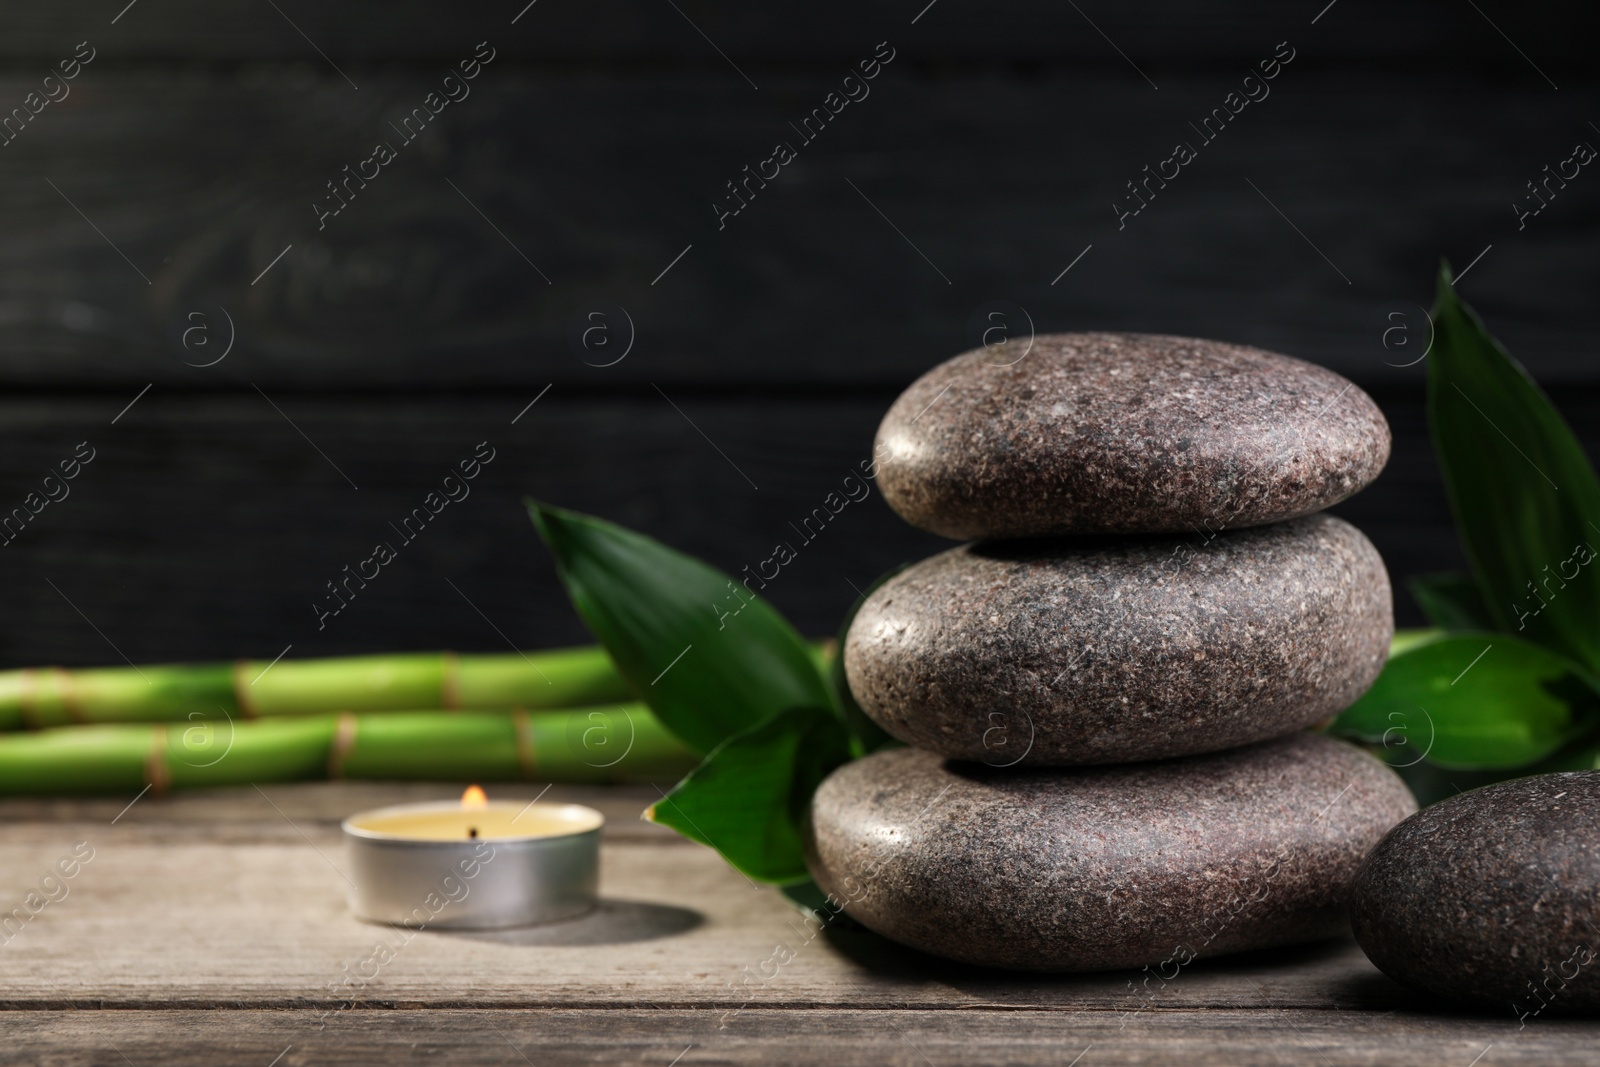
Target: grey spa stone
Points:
(1108, 650)
(1492, 897)
(1123, 433)
(1103, 867)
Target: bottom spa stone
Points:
(1104, 867)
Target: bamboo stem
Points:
(620, 743)
(561, 678)
(40, 698)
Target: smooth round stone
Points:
(1123, 433)
(1492, 897)
(1096, 868)
(1059, 653)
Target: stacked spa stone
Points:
(1106, 692)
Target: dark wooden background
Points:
(378, 351)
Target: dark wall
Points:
(144, 211)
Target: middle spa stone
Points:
(1066, 652)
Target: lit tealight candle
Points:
(473, 865)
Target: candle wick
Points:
(472, 831)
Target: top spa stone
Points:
(1123, 433)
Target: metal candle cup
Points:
(445, 866)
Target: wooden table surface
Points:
(211, 928)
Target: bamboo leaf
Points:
(1479, 700)
(1526, 500)
(710, 657)
(748, 800)
(1451, 602)
(1405, 640)
(1431, 783)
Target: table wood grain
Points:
(211, 928)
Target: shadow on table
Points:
(1340, 970)
(614, 922)
(1379, 989)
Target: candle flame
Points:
(474, 797)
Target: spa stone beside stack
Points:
(1492, 897)
(1154, 585)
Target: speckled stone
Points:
(1059, 653)
(1094, 868)
(1492, 897)
(1123, 433)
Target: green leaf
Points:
(1526, 500)
(1430, 783)
(1473, 700)
(1451, 602)
(1405, 640)
(748, 800)
(708, 656)
(866, 735)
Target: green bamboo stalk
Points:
(616, 744)
(560, 678)
(44, 697)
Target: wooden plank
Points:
(201, 179)
(207, 526)
(167, 922)
(170, 947)
(870, 1038)
(1184, 33)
